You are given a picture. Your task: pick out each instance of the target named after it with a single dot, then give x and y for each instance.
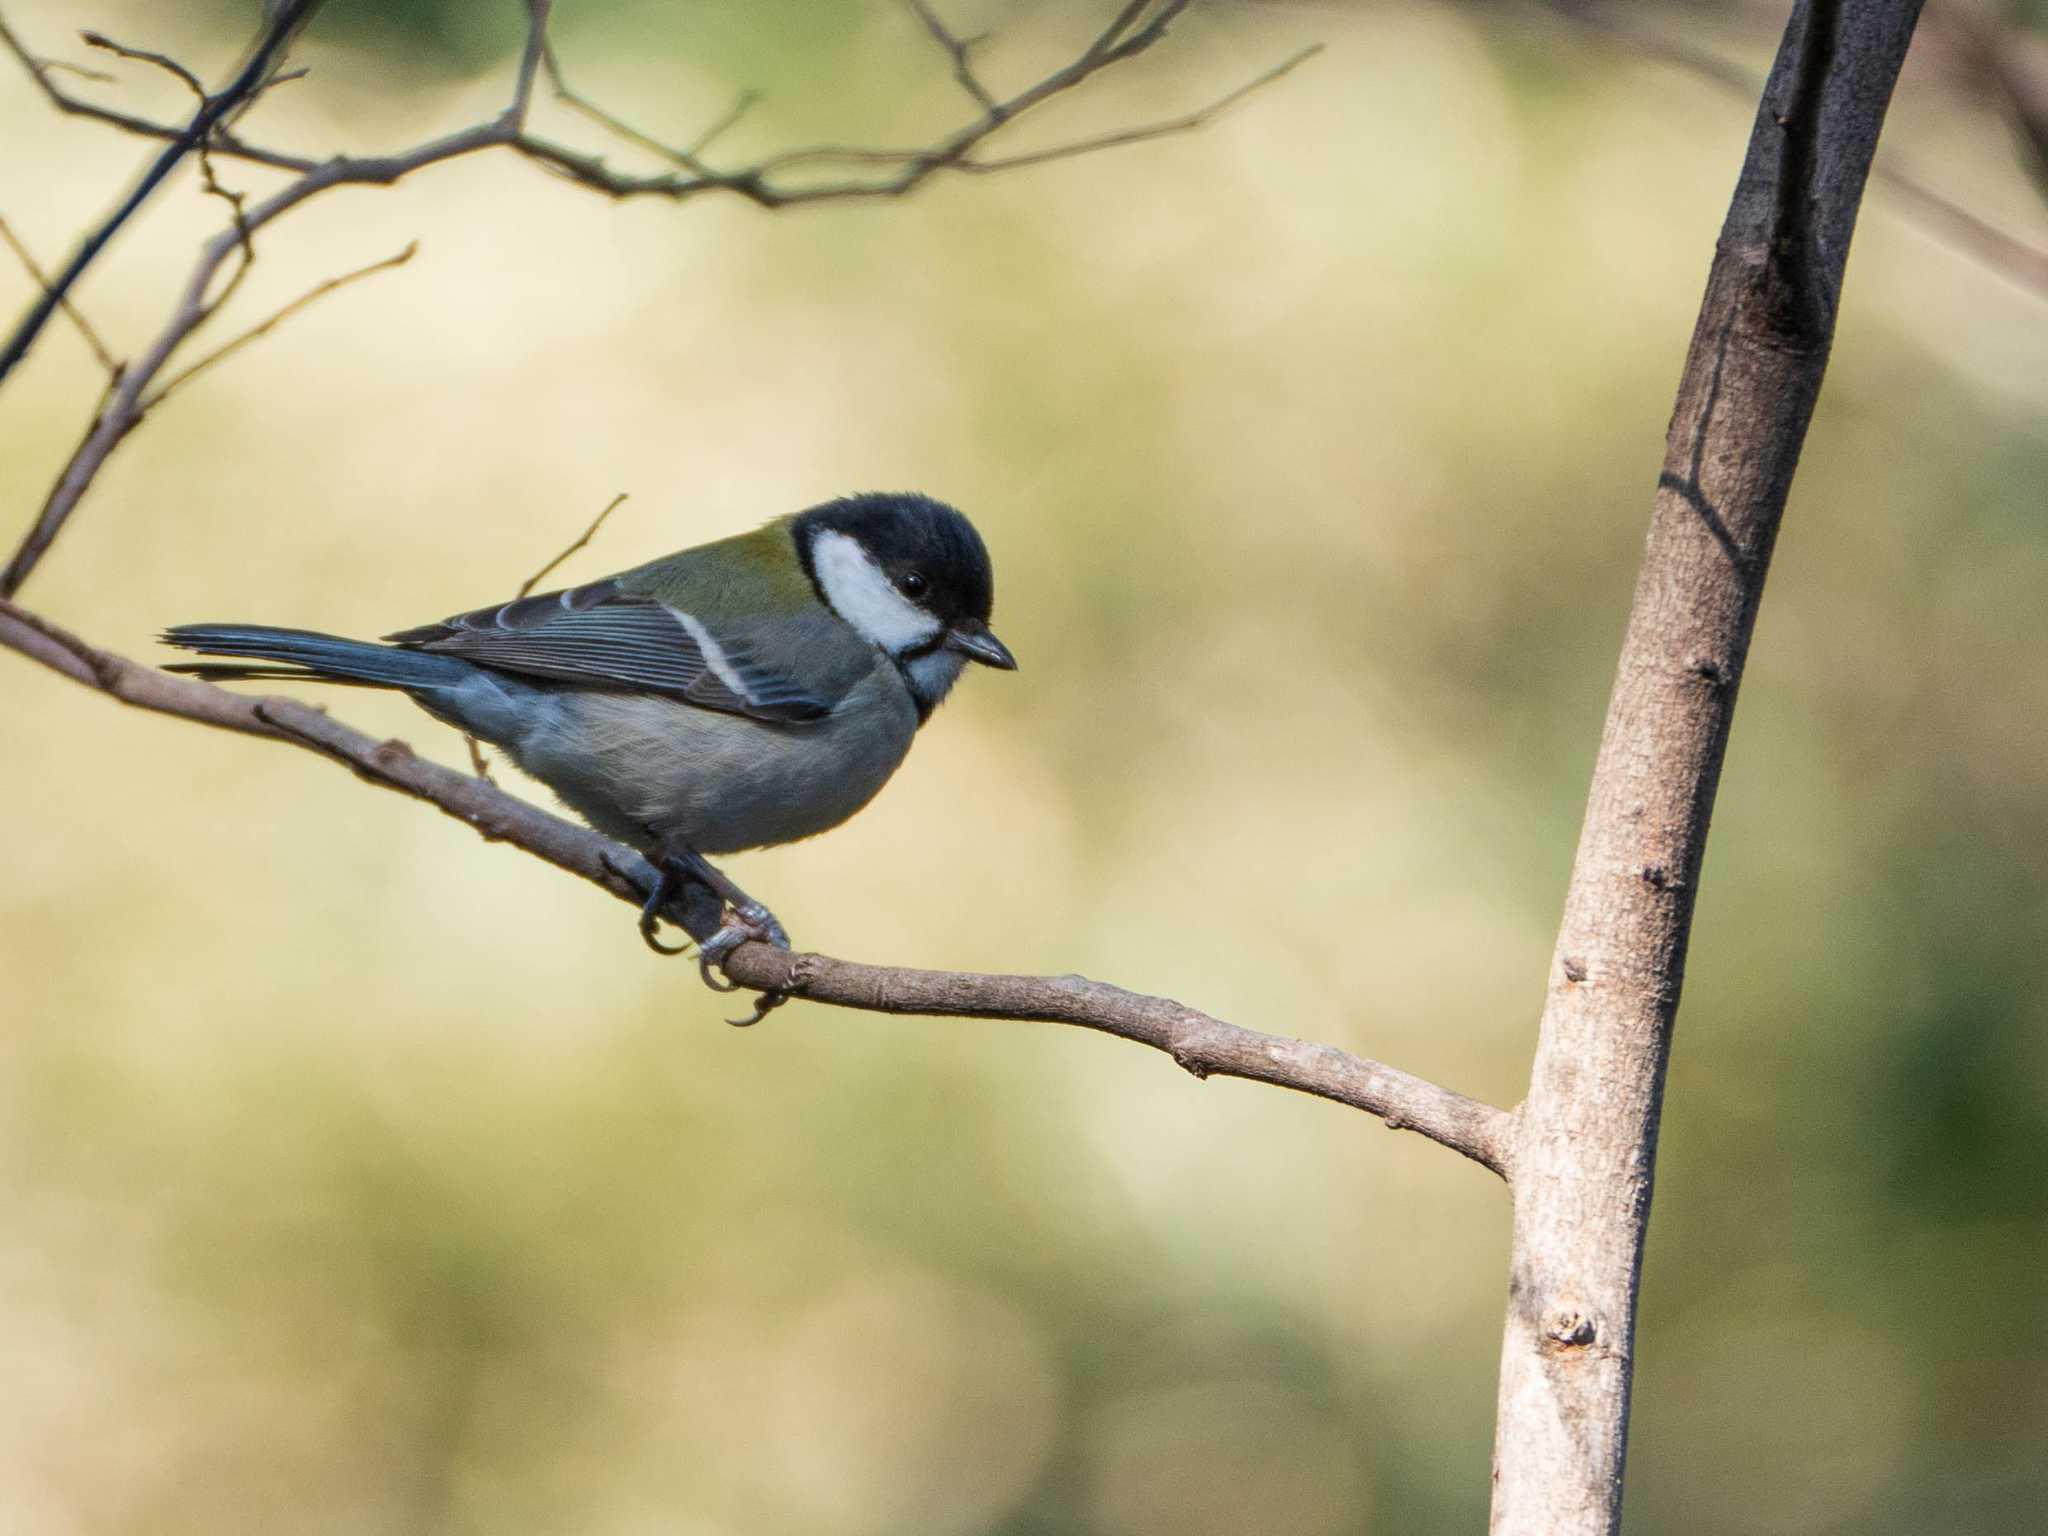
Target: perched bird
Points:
(747, 692)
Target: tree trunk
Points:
(1586, 1139)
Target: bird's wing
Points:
(600, 636)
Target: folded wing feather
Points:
(598, 636)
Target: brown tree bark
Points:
(1585, 1142)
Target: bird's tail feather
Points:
(306, 654)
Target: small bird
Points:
(739, 694)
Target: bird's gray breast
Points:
(643, 768)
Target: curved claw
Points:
(647, 932)
(751, 923)
(718, 946)
(765, 1003)
(650, 910)
(715, 983)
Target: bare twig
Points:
(478, 763)
(71, 311)
(265, 327)
(720, 126)
(284, 20)
(1948, 220)
(530, 57)
(80, 71)
(1203, 1045)
(40, 71)
(131, 398)
(581, 542)
(2012, 66)
(1186, 123)
(164, 62)
(1129, 33)
(686, 159)
(238, 216)
(959, 50)
(765, 182)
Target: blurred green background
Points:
(359, 1176)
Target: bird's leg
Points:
(749, 922)
(668, 884)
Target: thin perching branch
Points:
(1204, 1046)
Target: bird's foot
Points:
(749, 923)
(742, 920)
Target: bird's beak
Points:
(972, 639)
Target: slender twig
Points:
(65, 66)
(1204, 1046)
(720, 126)
(264, 327)
(1947, 219)
(1130, 32)
(71, 311)
(125, 410)
(686, 159)
(959, 50)
(238, 216)
(530, 57)
(223, 142)
(478, 763)
(1959, 228)
(527, 586)
(1996, 52)
(283, 21)
(1186, 123)
(162, 61)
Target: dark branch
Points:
(1799, 301)
(1203, 1045)
(71, 312)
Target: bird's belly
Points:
(646, 769)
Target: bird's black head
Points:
(908, 572)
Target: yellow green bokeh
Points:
(359, 1176)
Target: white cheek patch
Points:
(866, 598)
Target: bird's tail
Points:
(301, 653)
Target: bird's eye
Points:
(913, 584)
